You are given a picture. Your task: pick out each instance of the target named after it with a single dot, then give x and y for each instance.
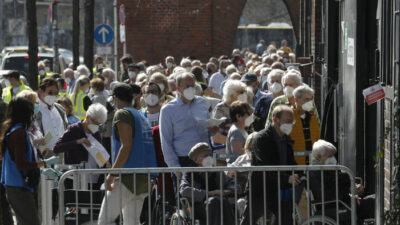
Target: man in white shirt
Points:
(51, 117)
(217, 78)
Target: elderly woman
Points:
(234, 90)
(242, 116)
(162, 81)
(72, 142)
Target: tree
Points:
(75, 32)
(33, 43)
(89, 33)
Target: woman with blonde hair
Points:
(80, 98)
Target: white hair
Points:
(250, 95)
(151, 69)
(97, 112)
(68, 71)
(40, 63)
(141, 76)
(184, 61)
(83, 70)
(231, 67)
(179, 69)
(235, 76)
(110, 71)
(230, 88)
(301, 90)
(169, 57)
(292, 75)
(320, 148)
(275, 73)
(264, 70)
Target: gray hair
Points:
(320, 147)
(110, 71)
(185, 60)
(230, 88)
(68, 71)
(301, 90)
(275, 73)
(41, 63)
(97, 112)
(83, 70)
(292, 75)
(180, 76)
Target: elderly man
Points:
(179, 126)
(187, 64)
(306, 129)
(290, 81)
(251, 80)
(208, 205)
(262, 108)
(278, 152)
(229, 71)
(109, 77)
(217, 78)
(169, 64)
(69, 78)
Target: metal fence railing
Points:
(213, 195)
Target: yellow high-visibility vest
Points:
(7, 93)
(79, 111)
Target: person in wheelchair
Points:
(323, 153)
(208, 205)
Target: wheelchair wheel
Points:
(317, 220)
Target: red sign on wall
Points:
(373, 94)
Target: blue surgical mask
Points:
(36, 110)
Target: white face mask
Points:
(133, 102)
(286, 128)
(131, 74)
(7, 83)
(249, 120)
(205, 74)
(50, 99)
(224, 71)
(162, 87)
(100, 66)
(308, 106)
(188, 68)
(67, 80)
(47, 69)
(41, 72)
(241, 68)
(151, 100)
(106, 80)
(288, 91)
(331, 161)
(276, 88)
(169, 65)
(93, 128)
(242, 97)
(76, 74)
(188, 93)
(208, 162)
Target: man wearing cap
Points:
(251, 80)
(211, 202)
(14, 85)
(133, 147)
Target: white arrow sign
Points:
(103, 31)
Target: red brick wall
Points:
(200, 28)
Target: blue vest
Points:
(10, 175)
(142, 154)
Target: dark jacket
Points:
(199, 185)
(73, 153)
(265, 153)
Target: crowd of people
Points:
(156, 115)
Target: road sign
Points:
(373, 94)
(103, 34)
(122, 34)
(104, 50)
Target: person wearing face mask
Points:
(80, 97)
(306, 130)
(133, 148)
(179, 126)
(52, 117)
(251, 80)
(217, 185)
(264, 104)
(229, 71)
(170, 65)
(14, 85)
(234, 90)
(98, 64)
(242, 117)
(290, 81)
(186, 64)
(151, 96)
(125, 61)
(273, 147)
(69, 78)
(218, 77)
(162, 81)
(72, 142)
(133, 71)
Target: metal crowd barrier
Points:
(184, 211)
